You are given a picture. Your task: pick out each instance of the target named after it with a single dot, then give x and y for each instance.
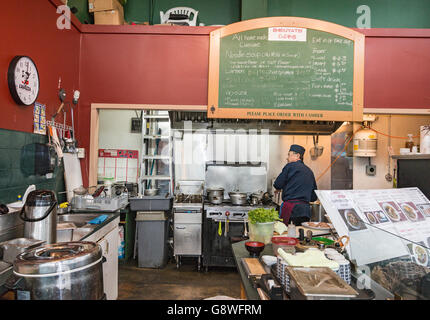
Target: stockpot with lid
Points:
(60, 271)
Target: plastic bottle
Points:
(291, 230)
(410, 143)
(121, 247)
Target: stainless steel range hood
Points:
(278, 127)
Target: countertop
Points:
(239, 251)
(6, 269)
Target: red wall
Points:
(397, 68)
(30, 28)
(163, 66)
(167, 65)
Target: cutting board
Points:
(253, 267)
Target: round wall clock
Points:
(23, 80)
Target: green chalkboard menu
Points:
(277, 71)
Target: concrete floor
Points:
(170, 283)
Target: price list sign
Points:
(265, 69)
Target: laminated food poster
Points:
(382, 224)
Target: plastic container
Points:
(151, 203)
(286, 243)
(425, 139)
(410, 143)
(291, 230)
(152, 231)
(262, 232)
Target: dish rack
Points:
(344, 270)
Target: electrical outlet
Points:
(371, 170)
(136, 125)
(81, 153)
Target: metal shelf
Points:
(156, 157)
(155, 177)
(155, 137)
(157, 117)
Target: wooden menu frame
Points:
(266, 113)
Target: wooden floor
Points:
(170, 283)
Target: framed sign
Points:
(286, 68)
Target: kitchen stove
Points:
(224, 224)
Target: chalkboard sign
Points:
(286, 68)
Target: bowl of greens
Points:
(261, 224)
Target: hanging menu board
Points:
(286, 68)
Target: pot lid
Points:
(40, 198)
(57, 258)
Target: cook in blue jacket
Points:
(298, 186)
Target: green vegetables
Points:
(261, 215)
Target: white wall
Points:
(280, 145)
(114, 131)
(400, 126)
(225, 146)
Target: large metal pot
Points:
(40, 216)
(61, 271)
(238, 198)
(215, 195)
(151, 192)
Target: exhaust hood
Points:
(279, 127)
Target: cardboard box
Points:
(103, 5)
(112, 17)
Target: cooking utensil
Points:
(4, 209)
(215, 195)
(267, 198)
(238, 198)
(245, 230)
(227, 214)
(80, 191)
(316, 151)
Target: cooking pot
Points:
(215, 195)
(60, 271)
(266, 198)
(151, 192)
(238, 198)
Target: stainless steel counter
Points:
(13, 232)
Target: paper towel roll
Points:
(425, 139)
(72, 173)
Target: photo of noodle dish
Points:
(411, 212)
(371, 218)
(352, 220)
(392, 212)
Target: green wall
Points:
(210, 12)
(12, 180)
(383, 13)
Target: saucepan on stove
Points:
(238, 198)
(215, 195)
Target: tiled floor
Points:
(170, 283)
